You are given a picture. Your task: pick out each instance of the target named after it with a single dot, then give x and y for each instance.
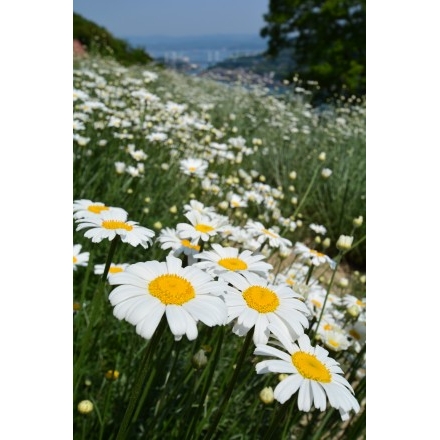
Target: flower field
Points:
(219, 285)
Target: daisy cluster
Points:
(211, 277)
(146, 120)
(230, 258)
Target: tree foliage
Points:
(328, 41)
(98, 40)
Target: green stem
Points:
(111, 253)
(221, 409)
(196, 414)
(312, 181)
(309, 274)
(140, 379)
(338, 260)
(106, 403)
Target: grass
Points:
(262, 151)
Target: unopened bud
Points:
(85, 407)
(357, 222)
(112, 374)
(199, 360)
(326, 173)
(344, 242)
(266, 395)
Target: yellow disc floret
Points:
(261, 299)
(316, 253)
(116, 224)
(115, 269)
(310, 367)
(97, 209)
(189, 245)
(233, 264)
(203, 228)
(172, 289)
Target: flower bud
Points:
(112, 374)
(326, 173)
(326, 243)
(353, 311)
(344, 242)
(85, 407)
(343, 282)
(357, 222)
(266, 395)
(199, 360)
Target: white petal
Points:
(176, 319)
(148, 325)
(287, 387)
(304, 396)
(319, 399)
(210, 310)
(267, 350)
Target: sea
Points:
(198, 52)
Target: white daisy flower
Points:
(354, 304)
(114, 222)
(256, 303)
(261, 234)
(86, 208)
(336, 339)
(224, 259)
(319, 229)
(202, 227)
(315, 298)
(195, 205)
(311, 372)
(314, 257)
(194, 167)
(79, 258)
(185, 294)
(170, 239)
(113, 269)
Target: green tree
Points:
(328, 42)
(98, 40)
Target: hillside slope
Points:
(96, 39)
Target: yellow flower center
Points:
(328, 327)
(360, 303)
(355, 334)
(203, 228)
(333, 343)
(261, 299)
(233, 264)
(316, 253)
(172, 289)
(310, 367)
(192, 169)
(270, 234)
(116, 224)
(115, 269)
(74, 259)
(188, 244)
(97, 209)
(316, 303)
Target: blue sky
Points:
(174, 17)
